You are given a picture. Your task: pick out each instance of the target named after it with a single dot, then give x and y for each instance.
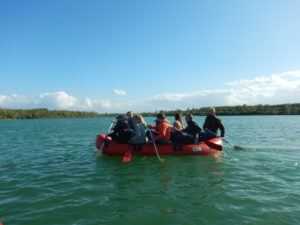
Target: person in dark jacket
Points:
(211, 126)
(188, 135)
(122, 132)
(130, 120)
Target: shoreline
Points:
(240, 110)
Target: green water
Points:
(48, 175)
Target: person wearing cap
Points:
(163, 130)
(190, 134)
(122, 132)
(211, 126)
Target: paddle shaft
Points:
(155, 148)
(230, 143)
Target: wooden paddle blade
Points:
(236, 147)
(127, 157)
(161, 160)
(214, 145)
(99, 153)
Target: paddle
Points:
(127, 157)
(99, 153)
(236, 147)
(155, 148)
(213, 145)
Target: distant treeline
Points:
(284, 109)
(43, 114)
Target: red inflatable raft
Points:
(211, 146)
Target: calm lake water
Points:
(49, 175)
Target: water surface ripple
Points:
(49, 176)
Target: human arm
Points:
(152, 127)
(222, 128)
(205, 124)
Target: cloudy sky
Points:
(115, 56)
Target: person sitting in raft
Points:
(163, 130)
(154, 131)
(122, 132)
(190, 134)
(178, 126)
(211, 126)
(178, 123)
(140, 127)
(130, 119)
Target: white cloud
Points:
(273, 89)
(59, 99)
(88, 103)
(120, 92)
(286, 80)
(102, 103)
(12, 100)
(56, 100)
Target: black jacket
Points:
(212, 123)
(130, 122)
(192, 129)
(122, 132)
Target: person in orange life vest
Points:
(155, 130)
(163, 129)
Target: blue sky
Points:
(115, 56)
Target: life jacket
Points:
(163, 131)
